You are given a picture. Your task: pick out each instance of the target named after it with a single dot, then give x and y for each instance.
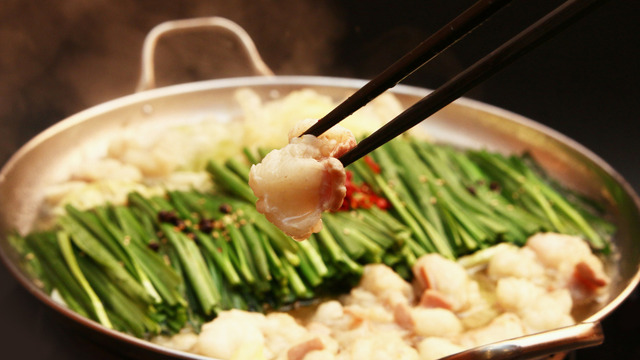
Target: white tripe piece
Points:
(297, 183)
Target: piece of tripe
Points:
(297, 183)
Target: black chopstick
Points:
(543, 29)
(448, 35)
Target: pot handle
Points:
(537, 345)
(147, 73)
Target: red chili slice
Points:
(372, 164)
(361, 196)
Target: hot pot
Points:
(49, 156)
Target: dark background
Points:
(58, 58)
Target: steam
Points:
(62, 57)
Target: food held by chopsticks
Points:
(297, 183)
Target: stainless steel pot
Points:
(48, 157)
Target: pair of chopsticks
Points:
(543, 29)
